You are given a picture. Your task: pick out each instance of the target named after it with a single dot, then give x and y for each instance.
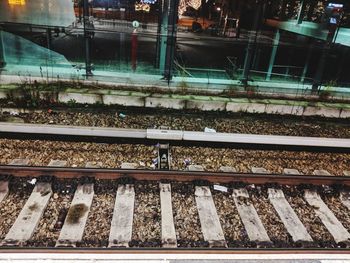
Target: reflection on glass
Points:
(23, 57)
(17, 2)
(37, 12)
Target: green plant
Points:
(327, 92)
(183, 85)
(72, 103)
(28, 93)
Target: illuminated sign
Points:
(148, 1)
(335, 5)
(142, 7)
(195, 4)
(17, 2)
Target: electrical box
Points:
(164, 157)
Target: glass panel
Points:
(216, 41)
(25, 58)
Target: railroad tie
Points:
(4, 190)
(210, 223)
(227, 169)
(122, 220)
(129, 166)
(345, 199)
(93, 165)
(74, 224)
(29, 217)
(57, 163)
(259, 170)
(337, 230)
(289, 218)
(251, 221)
(321, 173)
(291, 171)
(195, 168)
(20, 162)
(168, 227)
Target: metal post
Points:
(273, 54)
(2, 51)
(342, 61)
(321, 66)
(122, 39)
(307, 62)
(171, 40)
(301, 12)
(256, 60)
(163, 34)
(159, 27)
(49, 58)
(251, 45)
(87, 36)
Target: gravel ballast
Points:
(186, 218)
(113, 155)
(191, 121)
(146, 230)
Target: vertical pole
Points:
(321, 66)
(48, 38)
(134, 49)
(273, 54)
(171, 40)
(256, 60)
(2, 51)
(122, 40)
(163, 35)
(342, 61)
(49, 59)
(307, 62)
(251, 44)
(87, 36)
(301, 12)
(159, 28)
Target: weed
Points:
(328, 91)
(72, 103)
(183, 87)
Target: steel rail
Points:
(180, 176)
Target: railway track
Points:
(107, 208)
(195, 211)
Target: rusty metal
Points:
(180, 176)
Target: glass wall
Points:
(280, 43)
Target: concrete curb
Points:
(193, 102)
(212, 103)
